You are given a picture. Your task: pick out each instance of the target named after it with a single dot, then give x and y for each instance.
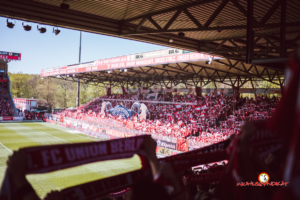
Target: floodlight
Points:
(26, 27)
(10, 24)
(41, 29)
(171, 40)
(56, 31)
(42, 78)
(125, 70)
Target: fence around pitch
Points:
(116, 129)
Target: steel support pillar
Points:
(238, 82)
(78, 93)
(78, 80)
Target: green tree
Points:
(47, 90)
(19, 88)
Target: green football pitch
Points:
(17, 135)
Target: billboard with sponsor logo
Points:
(166, 151)
(166, 144)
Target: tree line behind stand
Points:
(62, 94)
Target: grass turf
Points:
(16, 135)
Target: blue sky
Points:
(41, 51)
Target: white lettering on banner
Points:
(196, 56)
(183, 57)
(79, 152)
(129, 64)
(113, 60)
(94, 68)
(46, 157)
(114, 147)
(145, 62)
(88, 151)
(71, 70)
(93, 150)
(115, 65)
(55, 159)
(70, 155)
(171, 59)
(53, 153)
(102, 149)
(160, 60)
(118, 146)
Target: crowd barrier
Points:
(113, 129)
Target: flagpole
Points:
(78, 80)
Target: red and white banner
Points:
(6, 118)
(48, 158)
(124, 62)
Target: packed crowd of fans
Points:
(207, 119)
(4, 103)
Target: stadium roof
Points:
(259, 32)
(165, 66)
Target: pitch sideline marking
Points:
(73, 134)
(85, 137)
(57, 137)
(5, 147)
